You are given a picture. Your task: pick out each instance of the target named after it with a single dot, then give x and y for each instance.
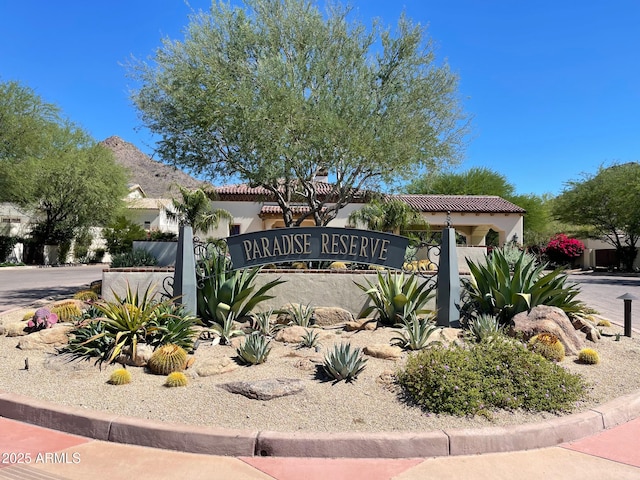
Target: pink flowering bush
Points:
(563, 250)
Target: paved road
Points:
(22, 286)
(602, 291)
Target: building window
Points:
(147, 225)
(234, 229)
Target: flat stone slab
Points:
(265, 389)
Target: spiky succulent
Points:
(310, 339)
(255, 349)
(167, 359)
(415, 333)
(120, 376)
(588, 356)
(484, 327)
(547, 345)
(67, 311)
(176, 379)
(344, 363)
(301, 315)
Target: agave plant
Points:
(415, 332)
(483, 327)
(221, 290)
(173, 325)
(301, 315)
(496, 289)
(255, 349)
(227, 329)
(396, 296)
(344, 363)
(89, 341)
(261, 323)
(310, 339)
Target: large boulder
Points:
(47, 340)
(543, 318)
(328, 316)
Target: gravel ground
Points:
(369, 404)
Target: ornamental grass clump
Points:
(488, 375)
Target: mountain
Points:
(157, 179)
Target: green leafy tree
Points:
(388, 215)
(195, 209)
(120, 235)
(606, 202)
(277, 91)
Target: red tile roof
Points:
(422, 203)
(460, 203)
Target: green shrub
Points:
(396, 296)
(6, 246)
(498, 289)
(488, 375)
(135, 258)
(120, 235)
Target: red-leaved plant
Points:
(563, 250)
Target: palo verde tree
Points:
(607, 203)
(275, 92)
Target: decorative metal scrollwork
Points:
(423, 257)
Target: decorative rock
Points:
(587, 328)
(380, 350)
(215, 366)
(265, 389)
(291, 334)
(543, 318)
(143, 354)
(327, 316)
(14, 329)
(361, 324)
(47, 340)
(449, 335)
(305, 364)
(62, 363)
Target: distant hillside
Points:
(157, 179)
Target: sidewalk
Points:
(48, 454)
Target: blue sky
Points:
(553, 86)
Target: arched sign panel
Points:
(317, 243)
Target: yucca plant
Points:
(301, 315)
(255, 349)
(497, 289)
(344, 363)
(222, 290)
(415, 332)
(483, 327)
(129, 320)
(396, 296)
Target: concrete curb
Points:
(248, 443)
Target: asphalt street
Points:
(21, 286)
